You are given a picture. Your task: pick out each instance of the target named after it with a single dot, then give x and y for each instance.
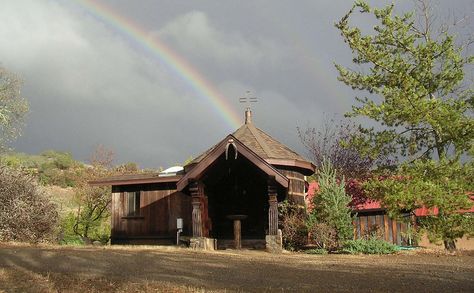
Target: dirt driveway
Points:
(60, 269)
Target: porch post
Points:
(273, 208)
(200, 238)
(196, 215)
(274, 238)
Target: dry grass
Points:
(13, 280)
(51, 268)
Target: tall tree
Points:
(418, 94)
(13, 108)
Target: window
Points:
(133, 203)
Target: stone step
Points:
(246, 244)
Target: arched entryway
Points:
(237, 187)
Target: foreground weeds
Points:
(14, 280)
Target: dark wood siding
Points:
(160, 206)
(296, 188)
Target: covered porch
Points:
(235, 194)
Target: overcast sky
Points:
(89, 83)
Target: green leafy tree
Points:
(92, 218)
(418, 94)
(13, 108)
(332, 205)
(93, 210)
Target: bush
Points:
(67, 235)
(323, 236)
(369, 246)
(294, 232)
(60, 160)
(26, 212)
(293, 222)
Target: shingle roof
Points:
(261, 143)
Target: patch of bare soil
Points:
(26, 268)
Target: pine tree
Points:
(331, 204)
(425, 107)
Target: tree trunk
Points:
(450, 245)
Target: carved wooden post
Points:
(273, 207)
(237, 237)
(196, 215)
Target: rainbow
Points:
(178, 64)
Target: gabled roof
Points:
(216, 151)
(266, 147)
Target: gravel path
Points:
(67, 269)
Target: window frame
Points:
(132, 204)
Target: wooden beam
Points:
(133, 181)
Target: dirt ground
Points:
(25, 268)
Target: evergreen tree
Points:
(331, 204)
(418, 94)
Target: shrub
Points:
(293, 222)
(60, 160)
(26, 212)
(323, 236)
(371, 245)
(67, 235)
(294, 232)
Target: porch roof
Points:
(216, 151)
(132, 179)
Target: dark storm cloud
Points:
(88, 85)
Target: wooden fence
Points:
(378, 223)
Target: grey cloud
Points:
(88, 84)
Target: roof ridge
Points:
(261, 141)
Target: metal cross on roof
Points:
(248, 99)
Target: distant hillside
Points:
(52, 167)
(56, 168)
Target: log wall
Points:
(296, 192)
